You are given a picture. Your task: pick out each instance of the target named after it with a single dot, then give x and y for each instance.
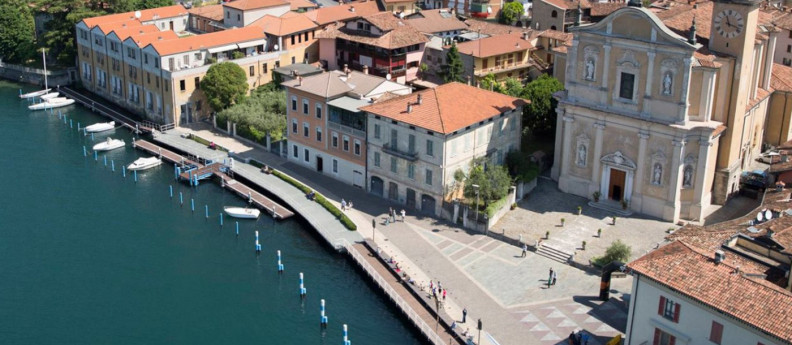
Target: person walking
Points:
(555, 275)
(464, 314)
(403, 213)
(444, 294)
(550, 278)
(524, 250)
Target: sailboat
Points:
(38, 93)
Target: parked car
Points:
(767, 157)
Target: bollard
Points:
(123, 171)
(134, 173)
(280, 265)
(85, 132)
(105, 160)
(206, 211)
(323, 319)
(96, 156)
(85, 152)
(176, 172)
(171, 191)
(92, 137)
(237, 228)
(189, 173)
(346, 335)
(221, 218)
(258, 246)
(71, 123)
(78, 126)
(192, 204)
(112, 165)
(302, 286)
(181, 199)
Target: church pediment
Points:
(630, 22)
(619, 160)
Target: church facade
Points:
(660, 116)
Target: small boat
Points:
(38, 93)
(56, 102)
(100, 127)
(242, 212)
(34, 94)
(50, 95)
(109, 144)
(144, 163)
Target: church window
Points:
(627, 85)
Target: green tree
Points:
(617, 251)
(59, 34)
(539, 117)
(493, 182)
(225, 84)
(17, 36)
(511, 12)
(121, 6)
(155, 3)
(260, 115)
(454, 70)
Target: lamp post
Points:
(373, 230)
(480, 326)
(476, 188)
(437, 312)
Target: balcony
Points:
(410, 156)
(504, 68)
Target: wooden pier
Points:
(99, 107)
(256, 198)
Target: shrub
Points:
(237, 55)
(617, 251)
(211, 60)
(320, 199)
(495, 206)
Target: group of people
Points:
(311, 195)
(437, 290)
(392, 216)
(578, 338)
(345, 205)
(551, 279)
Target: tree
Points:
(454, 70)
(17, 36)
(539, 117)
(59, 34)
(155, 3)
(617, 251)
(224, 85)
(260, 115)
(511, 12)
(493, 182)
(422, 68)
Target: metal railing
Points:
(410, 156)
(427, 330)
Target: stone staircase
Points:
(611, 206)
(553, 253)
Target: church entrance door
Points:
(617, 182)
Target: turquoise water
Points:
(90, 257)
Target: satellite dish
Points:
(768, 215)
(759, 217)
(276, 47)
(388, 76)
(138, 14)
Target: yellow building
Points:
(505, 56)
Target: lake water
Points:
(90, 257)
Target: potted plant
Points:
(596, 196)
(625, 203)
(563, 221)
(599, 233)
(614, 220)
(547, 235)
(584, 245)
(580, 210)
(513, 205)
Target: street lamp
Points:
(476, 188)
(373, 230)
(437, 312)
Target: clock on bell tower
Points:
(734, 27)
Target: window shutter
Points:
(656, 337)
(716, 332)
(661, 306)
(676, 312)
(672, 341)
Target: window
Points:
(307, 156)
(294, 126)
(145, 58)
(335, 166)
(157, 80)
(292, 39)
(318, 134)
(182, 85)
(554, 14)
(789, 48)
(148, 77)
(411, 171)
(295, 152)
(305, 106)
(376, 131)
(264, 68)
(335, 139)
(668, 309)
(166, 82)
(197, 81)
(429, 148)
(294, 60)
(306, 37)
(357, 147)
(394, 165)
(376, 159)
(277, 63)
(716, 333)
(252, 70)
(663, 338)
(239, 17)
(627, 85)
(790, 34)
(318, 111)
(346, 143)
(394, 139)
(411, 143)
(228, 15)
(428, 177)
(306, 129)
(197, 57)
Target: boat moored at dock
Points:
(100, 127)
(242, 212)
(144, 163)
(56, 102)
(109, 144)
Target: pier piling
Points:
(123, 171)
(171, 191)
(237, 229)
(206, 211)
(303, 291)
(92, 136)
(280, 265)
(71, 123)
(221, 218)
(323, 319)
(181, 199)
(96, 156)
(346, 336)
(105, 160)
(134, 173)
(192, 205)
(112, 165)
(85, 151)
(258, 246)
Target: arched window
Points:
(554, 14)
(553, 27)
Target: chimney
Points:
(719, 256)
(299, 81)
(409, 108)
(365, 69)
(351, 8)
(420, 99)
(526, 35)
(468, 79)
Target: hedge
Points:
(206, 142)
(320, 199)
(495, 206)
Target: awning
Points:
(222, 48)
(253, 43)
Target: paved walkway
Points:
(481, 274)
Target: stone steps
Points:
(553, 253)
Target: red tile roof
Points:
(475, 25)
(495, 45)
(432, 21)
(213, 12)
(145, 15)
(145, 39)
(246, 5)
(397, 34)
(284, 25)
(601, 9)
(692, 272)
(327, 15)
(446, 108)
(298, 4)
(569, 4)
(781, 78)
(214, 39)
(133, 31)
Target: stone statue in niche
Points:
(667, 84)
(657, 174)
(590, 69)
(581, 155)
(687, 176)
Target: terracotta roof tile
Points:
(475, 25)
(679, 18)
(245, 5)
(335, 83)
(432, 21)
(145, 15)
(781, 78)
(761, 94)
(106, 28)
(284, 25)
(214, 39)
(133, 31)
(557, 35)
(298, 4)
(568, 4)
(694, 273)
(327, 15)
(446, 108)
(495, 45)
(145, 39)
(397, 34)
(213, 12)
(600, 9)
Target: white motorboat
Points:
(56, 102)
(100, 127)
(34, 94)
(50, 95)
(109, 144)
(38, 93)
(242, 212)
(144, 163)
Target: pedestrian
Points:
(524, 250)
(444, 294)
(555, 275)
(550, 278)
(584, 338)
(464, 314)
(572, 338)
(403, 213)
(439, 285)
(343, 205)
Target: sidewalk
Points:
(486, 276)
